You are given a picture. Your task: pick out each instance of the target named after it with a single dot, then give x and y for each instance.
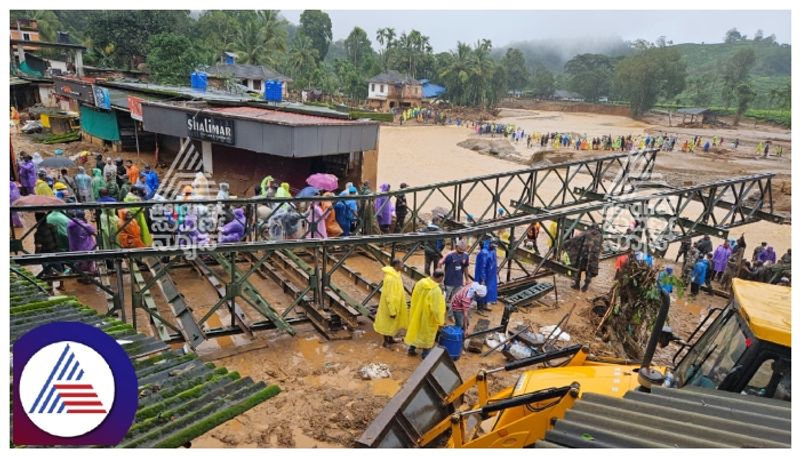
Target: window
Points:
(381, 88)
(256, 84)
(372, 87)
(772, 379)
(710, 361)
(26, 36)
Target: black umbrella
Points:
(57, 162)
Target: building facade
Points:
(253, 77)
(393, 89)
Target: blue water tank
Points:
(273, 91)
(452, 338)
(199, 81)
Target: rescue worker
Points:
(584, 253)
(400, 210)
(463, 299)
(97, 183)
(486, 274)
(392, 314)
(130, 234)
(42, 188)
(27, 175)
(426, 315)
(83, 184)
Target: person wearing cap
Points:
(463, 300)
(61, 190)
(42, 188)
(456, 269)
(392, 313)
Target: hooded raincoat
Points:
(315, 215)
(27, 175)
(233, 231)
(146, 238)
(97, 183)
(42, 188)
(486, 271)
(130, 235)
(108, 228)
(14, 196)
(426, 314)
(721, 255)
(81, 238)
(332, 227)
(384, 208)
(767, 255)
(392, 314)
(60, 221)
(83, 184)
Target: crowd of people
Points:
(702, 264)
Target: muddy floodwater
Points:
(324, 402)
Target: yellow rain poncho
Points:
(427, 314)
(392, 315)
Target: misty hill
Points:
(552, 54)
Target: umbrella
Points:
(57, 162)
(324, 181)
(309, 191)
(38, 200)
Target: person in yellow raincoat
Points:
(426, 315)
(392, 314)
(42, 188)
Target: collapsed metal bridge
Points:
(263, 283)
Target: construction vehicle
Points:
(744, 347)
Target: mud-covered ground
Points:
(324, 402)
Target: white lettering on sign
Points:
(211, 129)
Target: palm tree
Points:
(302, 59)
(260, 38)
(386, 37)
(456, 73)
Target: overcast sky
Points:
(446, 28)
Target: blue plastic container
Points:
(199, 81)
(452, 339)
(273, 91)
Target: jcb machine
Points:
(744, 348)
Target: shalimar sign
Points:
(209, 128)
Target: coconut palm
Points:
(260, 38)
(302, 60)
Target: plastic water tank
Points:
(452, 339)
(199, 81)
(273, 91)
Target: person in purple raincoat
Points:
(233, 231)
(720, 260)
(189, 235)
(384, 209)
(15, 195)
(767, 255)
(81, 238)
(27, 175)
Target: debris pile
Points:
(375, 371)
(629, 309)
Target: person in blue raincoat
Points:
(346, 210)
(486, 273)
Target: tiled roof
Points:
(393, 77)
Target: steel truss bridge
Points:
(325, 288)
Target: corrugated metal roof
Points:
(689, 417)
(393, 77)
(245, 71)
(180, 397)
(176, 91)
(279, 117)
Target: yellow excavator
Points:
(744, 347)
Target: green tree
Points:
(782, 98)
(471, 76)
(218, 31)
(47, 21)
(543, 83)
(386, 37)
(736, 71)
(590, 75)
(358, 48)
(303, 61)
(171, 58)
(733, 35)
(515, 69)
(643, 77)
(129, 31)
(744, 96)
(316, 25)
(352, 81)
(700, 88)
(260, 38)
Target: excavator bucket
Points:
(417, 407)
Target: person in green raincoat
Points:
(108, 229)
(426, 315)
(283, 191)
(97, 182)
(60, 221)
(392, 314)
(265, 184)
(147, 239)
